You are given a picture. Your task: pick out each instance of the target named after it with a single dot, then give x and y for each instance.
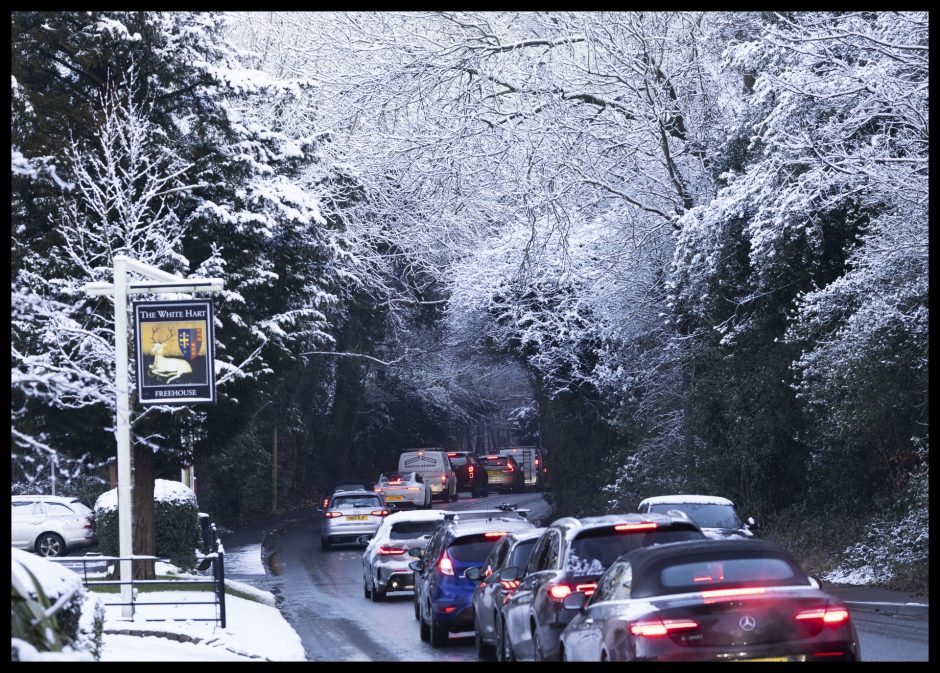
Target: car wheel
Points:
(366, 591)
(503, 648)
(484, 651)
(325, 544)
(425, 631)
(456, 496)
(437, 636)
(538, 652)
(377, 596)
(417, 609)
(50, 544)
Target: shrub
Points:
(175, 520)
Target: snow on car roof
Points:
(417, 515)
(686, 499)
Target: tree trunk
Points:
(142, 497)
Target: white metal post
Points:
(123, 432)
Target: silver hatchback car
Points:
(350, 514)
(50, 525)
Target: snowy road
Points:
(320, 595)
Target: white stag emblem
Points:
(166, 368)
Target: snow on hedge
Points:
(163, 490)
(55, 579)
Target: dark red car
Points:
(471, 475)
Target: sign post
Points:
(165, 282)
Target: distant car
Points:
(490, 595)
(350, 514)
(434, 467)
(404, 488)
(346, 485)
(570, 556)
(532, 461)
(503, 473)
(716, 516)
(443, 594)
(51, 525)
(471, 475)
(385, 559)
(727, 600)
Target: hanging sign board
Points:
(175, 344)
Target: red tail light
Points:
(588, 589)
(509, 585)
(629, 527)
(495, 534)
(332, 515)
(445, 565)
(87, 524)
(379, 512)
(326, 501)
(712, 595)
(377, 490)
(490, 457)
(559, 592)
(391, 551)
(443, 478)
(654, 628)
(536, 462)
(471, 470)
(448, 609)
(414, 488)
(451, 455)
(830, 615)
(508, 468)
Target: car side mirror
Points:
(417, 566)
(475, 573)
(813, 582)
(363, 540)
(510, 574)
(575, 601)
(416, 551)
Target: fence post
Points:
(220, 584)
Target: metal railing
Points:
(216, 559)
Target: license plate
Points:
(394, 497)
(493, 473)
(356, 517)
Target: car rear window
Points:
(593, 550)
(79, 507)
(458, 459)
(495, 462)
(347, 501)
(705, 515)
(394, 476)
(471, 548)
(411, 530)
(725, 572)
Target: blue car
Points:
(443, 595)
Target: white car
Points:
(716, 516)
(385, 560)
(404, 488)
(51, 525)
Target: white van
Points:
(434, 467)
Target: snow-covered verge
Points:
(72, 631)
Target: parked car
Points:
(385, 559)
(443, 595)
(728, 600)
(532, 461)
(346, 485)
(471, 475)
(490, 595)
(503, 473)
(404, 489)
(570, 556)
(350, 514)
(716, 516)
(51, 525)
(434, 467)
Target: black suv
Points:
(471, 475)
(570, 556)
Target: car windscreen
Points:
(704, 514)
(521, 552)
(349, 501)
(702, 573)
(412, 530)
(593, 550)
(472, 548)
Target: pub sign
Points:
(175, 344)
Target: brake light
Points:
(471, 470)
(725, 593)
(495, 534)
(829, 615)
(395, 481)
(510, 585)
(536, 462)
(377, 490)
(629, 527)
(379, 512)
(508, 468)
(588, 589)
(87, 523)
(391, 551)
(445, 565)
(451, 454)
(414, 488)
(559, 592)
(332, 515)
(443, 478)
(655, 628)
(490, 457)
(448, 609)
(326, 501)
